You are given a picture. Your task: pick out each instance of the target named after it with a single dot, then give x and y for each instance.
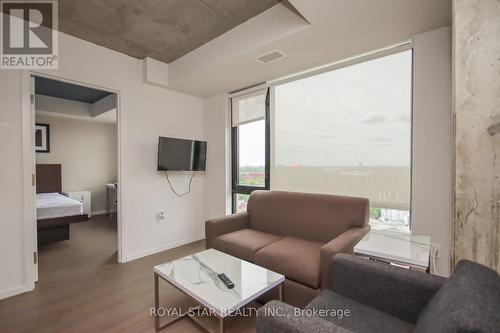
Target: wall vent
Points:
(270, 56)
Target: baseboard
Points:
(163, 248)
(14, 291)
(99, 212)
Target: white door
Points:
(33, 169)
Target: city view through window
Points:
(252, 150)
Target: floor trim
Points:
(15, 291)
(142, 254)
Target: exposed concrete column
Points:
(476, 56)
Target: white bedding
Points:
(52, 205)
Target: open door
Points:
(33, 169)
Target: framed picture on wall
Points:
(42, 138)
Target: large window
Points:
(344, 132)
(250, 146)
(348, 132)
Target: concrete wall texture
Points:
(477, 130)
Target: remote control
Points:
(226, 280)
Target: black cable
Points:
(177, 194)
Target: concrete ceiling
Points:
(161, 29)
(336, 30)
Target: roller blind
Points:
(248, 108)
(347, 131)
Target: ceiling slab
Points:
(270, 26)
(60, 89)
(337, 29)
(161, 29)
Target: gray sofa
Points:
(367, 296)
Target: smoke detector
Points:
(270, 56)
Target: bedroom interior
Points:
(76, 167)
(254, 166)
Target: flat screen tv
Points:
(181, 155)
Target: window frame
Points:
(236, 187)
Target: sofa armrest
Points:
(343, 243)
(278, 317)
(400, 292)
(223, 225)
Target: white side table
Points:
(397, 248)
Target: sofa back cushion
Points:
(468, 302)
(316, 217)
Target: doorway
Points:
(74, 142)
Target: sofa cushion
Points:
(244, 243)
(361, 318)
(469, 301)
(315, 217)
(296, 258)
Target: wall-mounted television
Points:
(181, 155)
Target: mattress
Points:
(52, 205)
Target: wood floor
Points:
(82, 288)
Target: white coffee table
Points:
(196, 276)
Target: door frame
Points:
(29, 162)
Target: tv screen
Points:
(181, 155)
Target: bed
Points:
(55, 212)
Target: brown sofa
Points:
(295, 234)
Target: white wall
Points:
(146, 113)
(218, 180)
(87, 151)
(432, 142)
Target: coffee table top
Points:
(196, 275)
